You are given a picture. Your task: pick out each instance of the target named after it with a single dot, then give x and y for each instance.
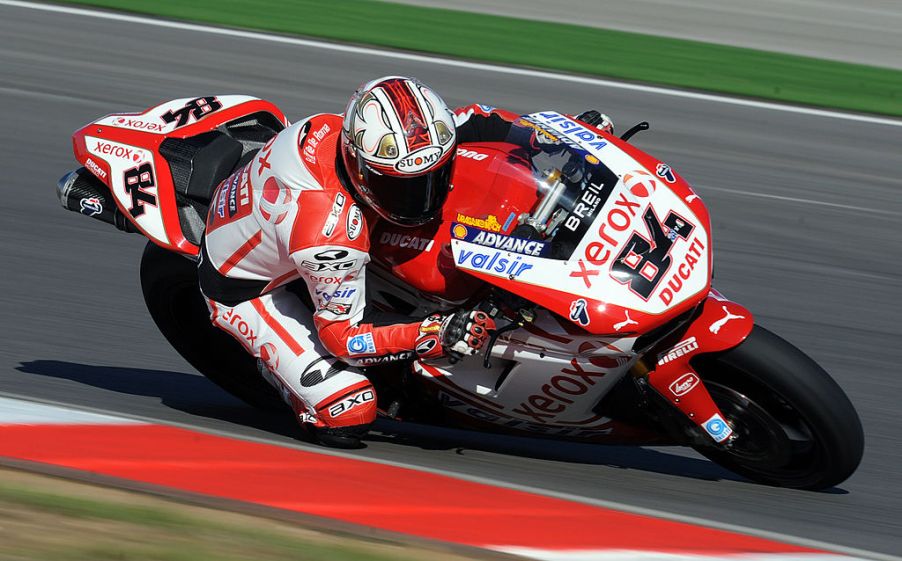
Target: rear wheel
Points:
(794, 425)
(169, 283)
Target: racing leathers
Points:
(288, 215)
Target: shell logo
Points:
(459, 231)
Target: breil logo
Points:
(116, 151)
(138, 124)
(419, 160)
(678, 350)
(684, 384)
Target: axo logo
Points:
(351, 402)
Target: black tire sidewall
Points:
(172, 296)
(770, 362)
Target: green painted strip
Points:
(571, 48)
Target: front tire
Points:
(795, 426)
(169, 283)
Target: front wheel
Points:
(794, 425)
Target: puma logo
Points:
(715, 327)
(624, 323)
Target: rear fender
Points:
(720, 325)
(122, 151)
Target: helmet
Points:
(398, 142)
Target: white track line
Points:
(624, 507)
(644, 555)
(800, 200)
(451, 62)
(17, 412)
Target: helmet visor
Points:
(408, 201)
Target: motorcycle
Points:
(594, 258)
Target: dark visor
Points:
(410, 201)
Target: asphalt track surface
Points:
(806, 213)
(863, 31)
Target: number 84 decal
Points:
(643, 263)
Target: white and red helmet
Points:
(398, 142)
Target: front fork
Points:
(720, 325)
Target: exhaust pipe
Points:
(81, 192)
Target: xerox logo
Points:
(561, 391)
(138, 124)
(241, 327)
(102, 148)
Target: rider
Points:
(302, 208)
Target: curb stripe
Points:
(391, 498)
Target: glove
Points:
(460, 333)
(465, 332)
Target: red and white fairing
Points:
(122, 150)
(549, 377)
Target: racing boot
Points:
(342, 419)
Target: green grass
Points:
(572, 48)
(68, 523)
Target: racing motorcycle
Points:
(594, 258)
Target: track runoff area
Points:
(366, 494)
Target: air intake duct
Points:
(81, 192)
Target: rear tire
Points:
(795, 426)
(169, 283)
